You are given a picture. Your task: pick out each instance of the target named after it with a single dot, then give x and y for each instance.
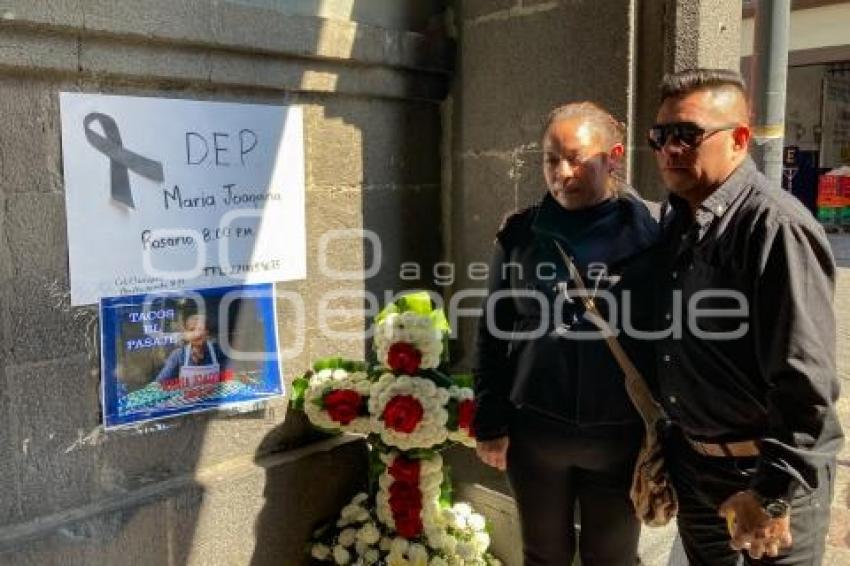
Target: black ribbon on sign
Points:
(121, 159)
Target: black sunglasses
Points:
(687, 134)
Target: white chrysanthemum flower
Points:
(369, 534)
(347, 537)
(462, 509)
(341, 555)
(466, 550)
(383, 509)
(449, 544)
(360, 498)
(434, 536)
(320, 551)
(351, 512)
(399, 545)
(476, 522)
(385, 544)
(362, 516)
(371, 556)
(481, 542)
(454, 520)
(360, 547)
(438, 561)
(417, 554)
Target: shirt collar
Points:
(718, 202)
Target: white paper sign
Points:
(835, 141)
(173, 194)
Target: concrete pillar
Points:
(674, 35)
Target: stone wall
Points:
(232, 488)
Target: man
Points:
(199, 361)
(746, 369)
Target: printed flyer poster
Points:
(178, 352)
(165, 194)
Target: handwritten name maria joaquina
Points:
(212, 151)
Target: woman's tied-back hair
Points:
(613, 129)
(683, 83)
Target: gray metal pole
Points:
(768, 79)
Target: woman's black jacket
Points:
(533, 350)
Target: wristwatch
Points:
(776, 508)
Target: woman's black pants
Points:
(553, 467)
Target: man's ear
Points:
(742, 136)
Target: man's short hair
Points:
(685, 82)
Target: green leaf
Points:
(326, 363)
(463, 380)
(438, 377)
(446, 489)
(451, 408)
(376, 468)
(438, 317)
(419, 453)
(299, 388)
(387, 311)
(419, 302)
(339, 363)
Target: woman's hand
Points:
(494, 452)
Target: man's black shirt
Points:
(757, 257)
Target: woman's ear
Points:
(617, 151)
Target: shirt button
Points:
(675, 275)
(666, 358)
(668, 316)
(673, 399)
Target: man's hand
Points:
(493, 452)
(752, 529)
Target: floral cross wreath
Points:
(410, 409)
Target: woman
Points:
(552, 405)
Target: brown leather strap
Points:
(639, 392)
(743, 449)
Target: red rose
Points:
(404, 358)
(402, 413)
(406, 506)
(404, 470)
(343, 405)
(465, 412)
(408, 528)
(404, 497)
